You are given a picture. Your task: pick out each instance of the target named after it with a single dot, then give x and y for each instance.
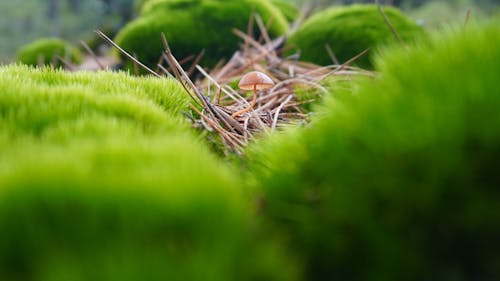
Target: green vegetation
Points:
(395, 178)
(22, 22)
(349, 31)
(127, 209)
(289, 10)
(437, 14)
(398, 180)
(194, 25)
(36, 101)
(45, 52)
(100, 179)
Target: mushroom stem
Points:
(252, 103)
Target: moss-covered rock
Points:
(400, 180)
(44, 52)
(194, 25)
(349, 31)
(101, 180)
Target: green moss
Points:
(436, 14)
(349, 31)
(289, 10)
(138, 4)
(127, 208)
(336, 87)
(154, 6)
(400, 178)
(34, 101)
(101, 180)
(44, 51)
(194, 25)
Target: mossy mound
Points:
(160, 208)
(349, 31)
(35, 102)
(289, 10)
(44, 52)
(194, 25)
(101, 180)
(400, 180)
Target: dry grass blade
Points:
(92, 54)
(278, 110)
(107, 39)
(332, 54)
(195, 63)
(179, 72)
(164, 70)
(388, 22)
(66, 63)
(467, 17)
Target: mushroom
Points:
(254, 80)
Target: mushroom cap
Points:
(255, 79)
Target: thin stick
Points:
(160, 62)
(352, 59)
(266, 105)
(136, 67)
(219, 95)
(467, 17)
(303, 13)
(263, 29)
(249, 29)
(186, 59)
(251, 41)
(103, 36)
(331, 54)
(174, 64)
(203, 72)
(219, 130)
(92, 54)
(196, 61)
(55, 58)
(70, 66)
(232, 124)
(40, 60)
(178, 71)
(388, 22)
(165, 71)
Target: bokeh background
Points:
(24, 21)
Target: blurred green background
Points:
(24, 21)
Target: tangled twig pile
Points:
(217, 104)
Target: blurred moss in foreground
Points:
(100, 179)
(400, 180)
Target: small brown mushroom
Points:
(254, 80)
